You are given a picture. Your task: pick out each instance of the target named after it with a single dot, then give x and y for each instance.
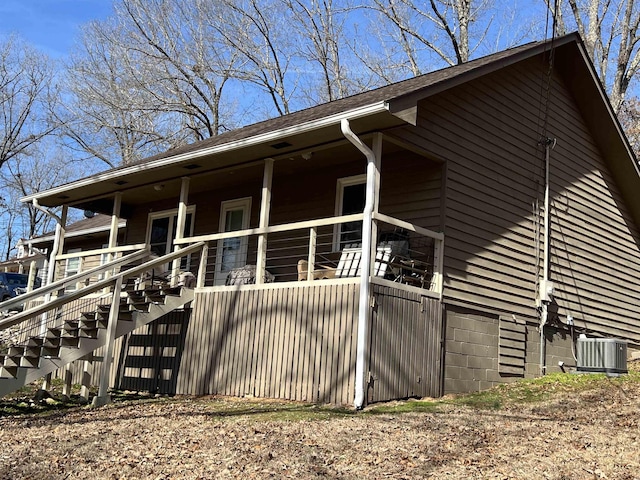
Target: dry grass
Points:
(559, 427)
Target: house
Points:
(90, 233)
(440, 234)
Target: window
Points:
(232, 252)
(350, 198)
(161, 231)
(72, 267)
(104, 258)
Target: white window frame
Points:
(244, 203)
(340, 186)
(104, 258)
(68, 272)
(171, 214)
(191, 209)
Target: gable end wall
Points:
(488, 132)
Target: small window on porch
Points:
(350, 198)
(72, 266)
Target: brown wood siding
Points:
(296, 343)
(488, 132)
(410, 189)
(405, 346)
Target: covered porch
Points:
(319, 279)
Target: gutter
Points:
(378, 107)
(365, 264)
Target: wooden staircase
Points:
(40, 355)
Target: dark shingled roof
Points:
(382, 94)
(97, 222)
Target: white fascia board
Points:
(335, 119)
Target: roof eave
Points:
(360, 112)
(406, 106)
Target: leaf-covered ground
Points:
(562, 427)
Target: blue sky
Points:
(51, 26)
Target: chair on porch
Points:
(349, 263)
(320, 272)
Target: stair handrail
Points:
(72, 280)
(69, 297)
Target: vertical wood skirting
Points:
(295, 343)
(405, 346)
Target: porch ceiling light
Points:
(121, 182)
(192, 166)
(158, 187)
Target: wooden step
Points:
(140, 306)
(155, 295)
(93, 324)
(35, 342)
(50, 351)
(7, 372)
(13, 357)
(173, 291)
(78, 329)
(103, 313)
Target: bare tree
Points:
(185, 65)
(259, 31)
(321, 25)
(148, 79)
(107, 116)
(27, 88)
(629, 116)
(44, 168)
(452, 29)
(610, 30)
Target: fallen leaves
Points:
(585, 435)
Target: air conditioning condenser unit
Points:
(602, 355)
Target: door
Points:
(162, 232)
(232, 252)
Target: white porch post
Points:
(32, 275)
(313, 244)
(265, 209)
(202, 269)
(181, 221)
(377, 153)
(86, 376)
(58, 245)
(103, 398)
(113, 231)
(56, 249)
(115, 220)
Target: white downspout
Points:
(365, 263)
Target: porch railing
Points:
(51, 306)
(322, 249)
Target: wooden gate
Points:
(405, 348)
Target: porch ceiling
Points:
(137, 182)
